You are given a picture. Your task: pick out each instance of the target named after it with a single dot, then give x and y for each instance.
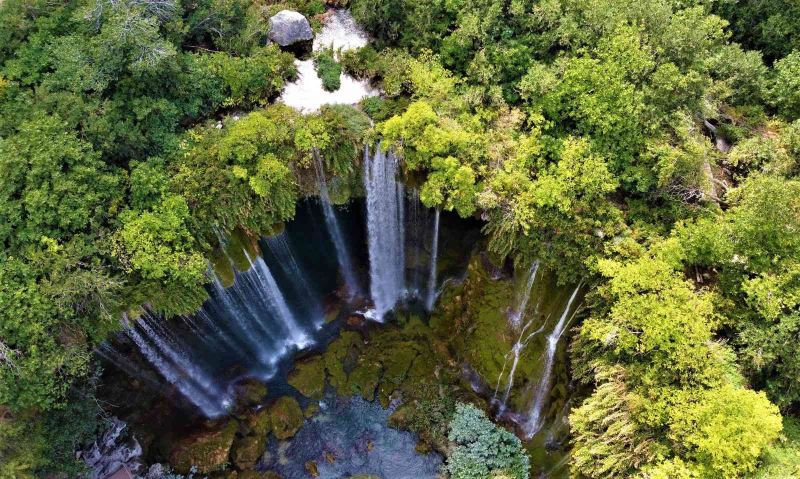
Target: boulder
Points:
(258, 475)
(250, 393)
(207, 450)
(256, 423)
(287, 417)
(247, 450)
(308, 377)
(288, 27)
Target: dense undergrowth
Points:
(650, 147)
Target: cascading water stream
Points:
(431, 292)
(280, 248)
(249, 324)
(277, 302)
(519, 311)
(385, 227)
(334, 230)
(189, 378)
(542, 388)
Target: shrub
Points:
(483, 449)
(328, 69)
(362, 62)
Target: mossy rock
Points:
(308, 377)
(223, 268)
(256, 423)
(258, 475)
(250, 393)
(399, 419)
(247, 450)
(242, 244)
(364, 378)
(287, 417)
(311, 410)
(397, 361)
(341, 356)
(311, 468)
(206, 450)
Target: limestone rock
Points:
(287, 417)
(207, 450)
(288, 27)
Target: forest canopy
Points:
(648, 147)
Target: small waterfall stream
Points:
(542, 387)
(282, 251)
(431, 292)
(385, 227)
(342, 253)
(518, 312)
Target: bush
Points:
(784, 92)
(362, 63)
(328, 69)
(483, 449)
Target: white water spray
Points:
(385, 226)
(431, 293)
(542, 388)
(522, 341)
(342, 253)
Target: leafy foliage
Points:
(328, 69)
(483, 449)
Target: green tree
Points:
(54, 184)
(482, 449)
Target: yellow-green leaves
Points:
(158, 245)
(726, 430)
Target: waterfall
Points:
(542, 388)
(385, 229)
(334, 230)
(415, 235)
(280, 249)
(189, 378)
(516, 314)
(431, 298)
(522, 341)
(240, 331)
(276, 302)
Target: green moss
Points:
(308, 377)
(250, 393)
(341, 357)
(287, 417)
(258, 422)
(363, 379)
(222, 267)
(206, 450)
(238, 243)
(247, 450)
(474, 321)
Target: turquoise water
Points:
(351, 437)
